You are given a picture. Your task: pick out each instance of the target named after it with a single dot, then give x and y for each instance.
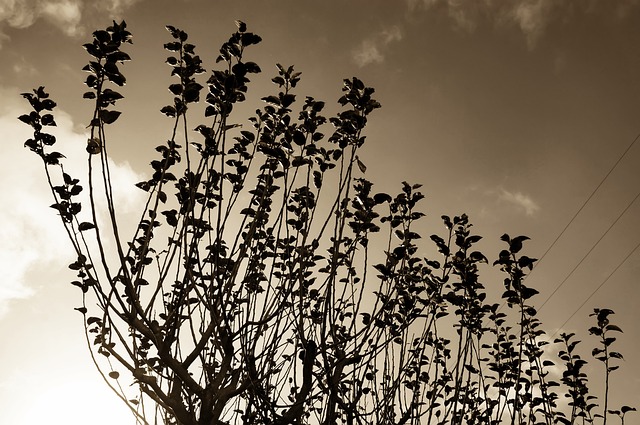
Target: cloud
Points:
(31, 236)
(66, 15)
(115, 7)
(464, 14)
(531, 17)
(22, 67)
(371, 50)
(520, 201)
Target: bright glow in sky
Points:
(512, 112)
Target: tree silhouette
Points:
(247, 293)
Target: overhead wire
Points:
(589, 252)
(586, 201)
(594, 245)
(597, 289)
(575, 215)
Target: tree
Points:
(262, 306)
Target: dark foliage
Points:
(247, 293)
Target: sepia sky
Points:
(510, 111)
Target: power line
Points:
(586, 202)
(597, 289)
(587, 254)
(573, 219)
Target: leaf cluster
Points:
(254, 289)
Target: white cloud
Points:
(368, 53)
(463, 13)
(66, 15)
(17, 13)
(32, 236)
(115, 7)
(520, 201)
(391, 34)
(531, 17)
(22, 67)
(371, 49)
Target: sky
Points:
(510, 111)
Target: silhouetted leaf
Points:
(613, 328)
(109, 117)
(47, 119)
(242, 27)
(93, 146)
(174, 46)
(53, 158)
(86, 226)
(169, 111)
(528, 292)
(317, 179)
(380, 198)
(515, 245)
(176, 89)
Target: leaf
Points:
(117, 79)
(528, 292)
(317, 179)
(192, 92)
(380, 198)
(478, 257)
(47, 139)
(82, 310)
(613, 328)
(361, 166)
(48, 104)
(109, 95)
(174, 46)
(252, 68)
(91, 320)
(109, 117)
(169, 111)
(176, 89)
(25, 118)
(47, 119)
(273, 100)
(86, 226)
(84, 287)
(298, 138)
(170, 215)
(162, 197)
(93, 146)
(53, 158)
(143, 185)
(242, 27)
(515, 245)
(114, 375)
